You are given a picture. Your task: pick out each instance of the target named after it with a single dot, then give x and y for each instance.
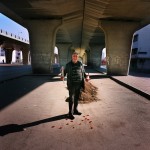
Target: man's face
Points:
(74, 58)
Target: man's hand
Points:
(62, 78)
(87, 78)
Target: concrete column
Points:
(95, 55)
(85, 58)
(8, 47)
(88, 56)
(63, 53)
(8, 54)
(118, 38)
(42, 42)
(25, 53)
(29, 58)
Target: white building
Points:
(17, 57)
(140, 59)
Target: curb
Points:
(140, 92)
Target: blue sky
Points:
(13, 27)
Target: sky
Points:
(12, 27)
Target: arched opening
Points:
(17, 57)
(55, 65)
(103, 60)
(56, 55)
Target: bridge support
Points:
(95, 55)
(25, 52)
(63, 53)
(84, 58)
(42, 42)
(8, 54)
(118, 38)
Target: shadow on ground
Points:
(12, 90)
(11, 128)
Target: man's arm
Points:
(65, 71)
(83, 71)
(87, 78)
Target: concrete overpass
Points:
(11, 42)
(86, 26)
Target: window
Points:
(142, 53)
(134, 51)
(135, 38)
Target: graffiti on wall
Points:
(119, 61)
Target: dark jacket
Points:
(68, 71)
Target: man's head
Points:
(74, 57)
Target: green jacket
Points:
(68, 71)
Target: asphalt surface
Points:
(9, 71)
(33, 116)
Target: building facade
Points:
(140, 57)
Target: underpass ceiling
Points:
(81, 17)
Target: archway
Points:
(17, 57)
(103, 59)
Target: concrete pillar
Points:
(118, 38)
(70, 52)
(8, 54)
(29, 58)
(85, 58)
(63, 51)
(88, 56)
(42, 42)
(25, 52)
(95, 55)
(8, 47)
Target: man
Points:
(75, 81)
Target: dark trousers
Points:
(74, 94)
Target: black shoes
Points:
(76, 112)
(70, 116)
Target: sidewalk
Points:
(137, 82)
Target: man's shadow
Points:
(11, 128)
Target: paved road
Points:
(33, 117)
(8, 71)
(137, 82)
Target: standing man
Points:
(75, 81)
